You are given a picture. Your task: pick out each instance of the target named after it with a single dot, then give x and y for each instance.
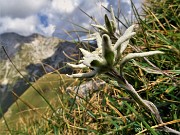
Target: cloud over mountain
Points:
(52, 17)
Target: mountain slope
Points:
(33, 56)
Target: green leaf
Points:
(108, 25)
(96, 63)
(107, 50)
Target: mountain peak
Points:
(16, 35)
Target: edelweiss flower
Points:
(107, 55)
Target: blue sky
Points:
(53, 17)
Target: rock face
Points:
(33, 56)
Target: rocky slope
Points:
(33, 56)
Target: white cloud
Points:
(25, 16)
(64, 6)
(21, 8)
(48, 31)
(21, 16)
(23, 26)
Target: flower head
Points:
(107, 55)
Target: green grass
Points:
(31, 106)
(110, 110)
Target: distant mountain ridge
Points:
(12, 41)
(34, 56)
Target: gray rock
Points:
(88, 87)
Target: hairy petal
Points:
(120, 50)
(89, 39)
(83, 75)
(113, 16)
(85, 52)
(100, 27)
(129, 30)
(98, 40)
(121, 46)
(123, 39)
(113, 24)
(136, 55)
(76, 66)
(124, 46)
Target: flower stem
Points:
(148, 105)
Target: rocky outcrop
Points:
(33, 56)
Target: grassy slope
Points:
(49, 86)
